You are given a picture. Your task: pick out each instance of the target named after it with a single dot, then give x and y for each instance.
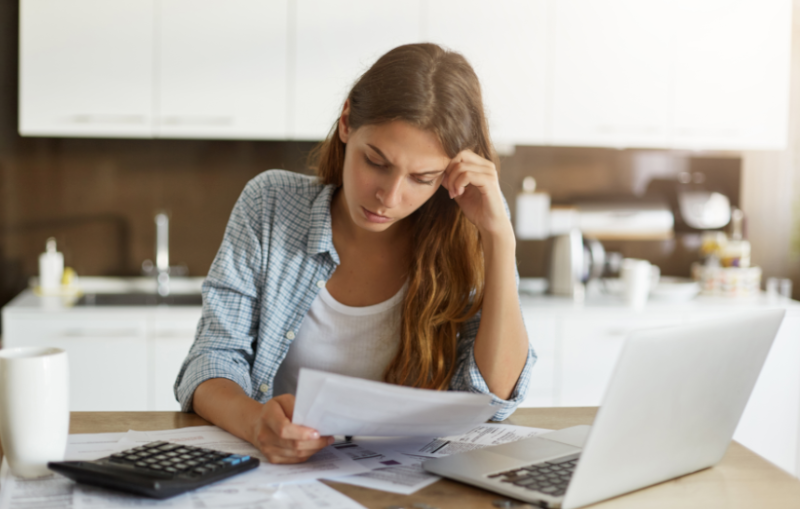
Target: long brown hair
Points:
(434, 90)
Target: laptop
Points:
(671, 408)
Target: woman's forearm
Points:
(501, 345)
(224, 403)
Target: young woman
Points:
(396, 263)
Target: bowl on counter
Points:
(675, 289)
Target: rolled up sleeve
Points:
(228, 329)
(469, 378)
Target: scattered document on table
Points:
(342, 405)
(403, 479)
(410, 478)
(256, 489)
(240, 492)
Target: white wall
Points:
(771, 190)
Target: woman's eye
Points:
(426, 182)
(373, 163)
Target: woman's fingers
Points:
(467, 168)
(282, 441)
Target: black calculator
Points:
(157, 469)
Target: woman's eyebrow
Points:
(376, 149)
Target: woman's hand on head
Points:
(280, 440)
(472, 181)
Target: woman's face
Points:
(390, 170)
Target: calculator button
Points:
(192, 463)
(185, 456)
(171, 454)
(141, 464)
(150, 460)
(171, 470)
(200, 470)
(175, 460)
(156, 467)
(182, 450)
(181, 466)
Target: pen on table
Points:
(348, 438)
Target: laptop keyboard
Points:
(550, 477)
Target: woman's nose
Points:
(389, 192)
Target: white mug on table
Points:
(638, 278)
(34, 408)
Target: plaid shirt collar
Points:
(320, 234)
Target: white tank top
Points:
(352, 341)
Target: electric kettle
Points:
(574, 260)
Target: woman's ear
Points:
(344, 122)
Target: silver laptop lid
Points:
(672, 404)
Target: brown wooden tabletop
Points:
(741, 480)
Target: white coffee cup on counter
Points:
(34, 408)
(638, 278)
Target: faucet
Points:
(162, 253)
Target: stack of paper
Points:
(343, 405)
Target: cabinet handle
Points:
(107, 119)
(209, 120)
(100, 333)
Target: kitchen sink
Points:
(140, 299)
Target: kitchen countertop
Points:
(595, 301)
(29, 301)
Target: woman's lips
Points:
(375, 218)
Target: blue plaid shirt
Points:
(275, 257)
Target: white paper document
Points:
(410, 478)
(342, 405)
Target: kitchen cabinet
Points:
(335, 42)
(731, 74)
(221, 69)
(86, 68)
(710, 74)
(696, 74)
(107, 355)
(121, 358)
(507, 45)
(147, 68)
(611, 73)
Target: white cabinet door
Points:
(506, 43)
(770, 425)
(611, 73)
(732, 73)
(222, 68)
(170, 340)
(542, 332)
(107, 355)
(335, 42)
(86, 68)
(590, 343)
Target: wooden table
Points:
(742, 479)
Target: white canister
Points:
(51, 267)
(34, 408)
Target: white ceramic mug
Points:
(638, 277)
(34, 408)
